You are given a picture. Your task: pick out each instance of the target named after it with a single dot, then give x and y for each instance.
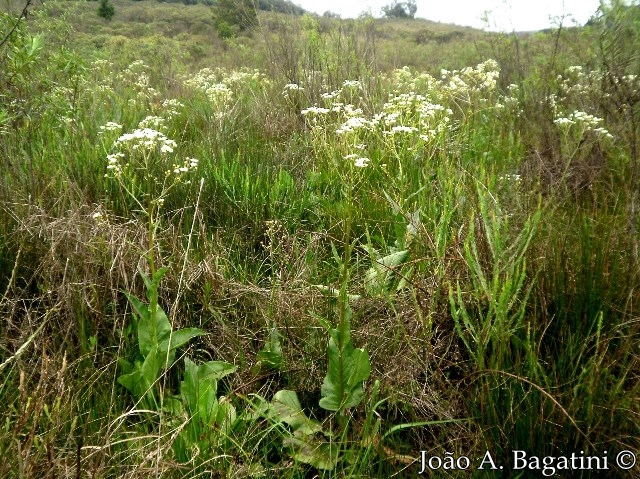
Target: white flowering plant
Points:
(144, 161)
(225, 89)
(145, 165)
(579, 131)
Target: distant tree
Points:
(330, 14)
(233, 16)
(398, 9)
(281, 6)
(106, 9)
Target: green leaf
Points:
(180, 337)
(226, 414)
(158, 275)
(146, 341)
(132, 382)
(152, 368)
(173, 406)
(259, 408)
(148, 284)
(139, 382)
(348, 368)
(335, 292)
(289, 411)
(307, 449)
(153, 284)
(216, 369)
(125, 365)
(342, 386)
(190, 386)
(395, 206)
(270, 355)
(200, 387)
(139, 308)
(379, 278)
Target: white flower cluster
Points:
(358, 161)
(586, 121)
(137, 76)
(242, 78)
(102, 77)
(209, 82)
(401, 129)
(511, 100)
(153, 123)
(470, 82)
(349, 115)
(331, 95)
(188, 165)
(234, 79)
(64, 95)
(419, 110)
(413, 113)
(352, 84)
(134, 72)
(512, 178)
(315, 110)
(576, 82)
(133, 150)
(146, 139)
(223, 87)
(353, 124)
(101, 66)
(110, 126)
(405, 80)
(630, 84)
(406, 118)
(171, 108)
(114, 164)
(220, 95)
(289, 88)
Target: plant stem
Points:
(343, 300)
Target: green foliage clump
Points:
(234, 16)
(106, 9)
(281, 6)
(398, 9)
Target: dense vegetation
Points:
(316, 248)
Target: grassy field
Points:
(322, 248)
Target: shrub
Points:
(106, 9)
(400, 9)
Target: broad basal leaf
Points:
(348, 368)
(200, 387)
(307, 449)
(289, 410)
(140, 381)
(379, 278)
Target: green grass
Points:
(465, 283)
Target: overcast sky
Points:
(506, 15)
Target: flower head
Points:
(361, 162)
(110, 126)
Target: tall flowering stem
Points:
(144, 166)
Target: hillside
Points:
(190, 30)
